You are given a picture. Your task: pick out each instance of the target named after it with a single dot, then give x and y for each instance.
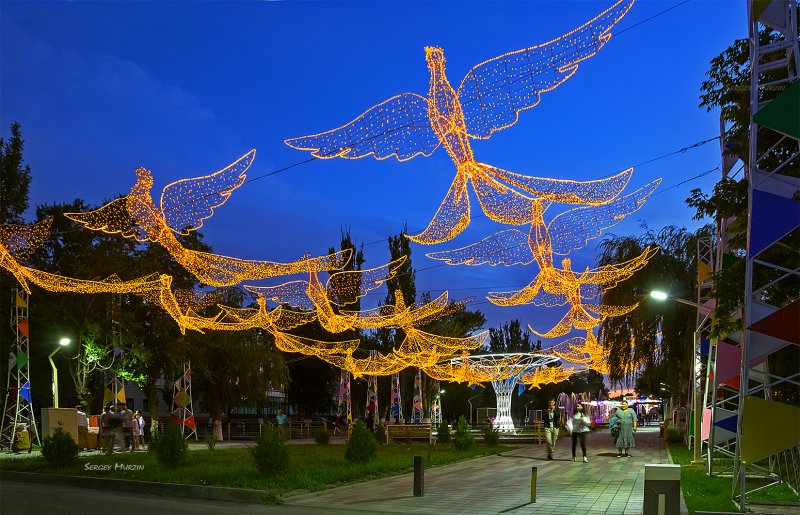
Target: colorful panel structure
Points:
(773, 219)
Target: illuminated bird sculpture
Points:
(342, 288)
(489, 99)
(555, 286)
(17, 242)
(184, 205)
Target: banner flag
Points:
(782, 324)
(23, 327)
(22, 359)
(729, 365)
(703, 271)
(759, 439)
(108, 396)
(777, 114)
(773, 217)
(25, 391)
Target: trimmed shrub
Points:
(491, 436)
(322, 436)
(462, 438)
(210, 441)
(674, 436)
(270, 453)
(362, 446)
(380, 434)
(443, 432)
(59, 449)
(171, 447)
(152, 444)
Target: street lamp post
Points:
(469, 401)
(698, 365)
(63, 342)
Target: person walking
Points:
(138, 430)
(581, 424)
(552, 424)
(83, 428)
(282, 420)
(127, 428)
(627, 426)
(107, 434)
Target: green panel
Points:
(782, 114)
(22, 359)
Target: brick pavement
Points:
(501, 483)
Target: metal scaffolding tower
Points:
(18, 406)
(769, 321)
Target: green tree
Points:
(15, 178)
(85, 319)
(510, 337)
(235, 368)
(661, 333)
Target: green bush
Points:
(674, 436)
(171, 447)
(270, 453)
(380, 434)
(152, 444)
(491, 436)
(462, 438)
(59, 449)
(322, 436)
(443, 432)
(210, 441)
(362, 446)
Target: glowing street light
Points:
(659, 295)
(698, 411)
(63, 342)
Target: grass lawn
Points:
(313, 467)
(706, 493)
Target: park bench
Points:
(403, 432)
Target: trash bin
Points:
(662, 490)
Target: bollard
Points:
(662, 489)
(419, 477)
(533, 484)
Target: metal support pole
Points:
(419, 476)
(533, 484)
(55, 376)
(698, 406)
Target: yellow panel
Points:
(767, 428)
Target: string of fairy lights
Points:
(404, 126)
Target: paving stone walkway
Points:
(501, 483)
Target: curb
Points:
(215, 493)
(684, 509)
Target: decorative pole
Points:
(396, 412)
(418, 413)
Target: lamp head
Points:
(64, 341)
(659, 295)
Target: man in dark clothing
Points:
(551, 422)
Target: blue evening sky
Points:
(184, 88)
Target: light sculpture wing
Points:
(488, 99)
(557, 286)
(183, 207)
(17, 242)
